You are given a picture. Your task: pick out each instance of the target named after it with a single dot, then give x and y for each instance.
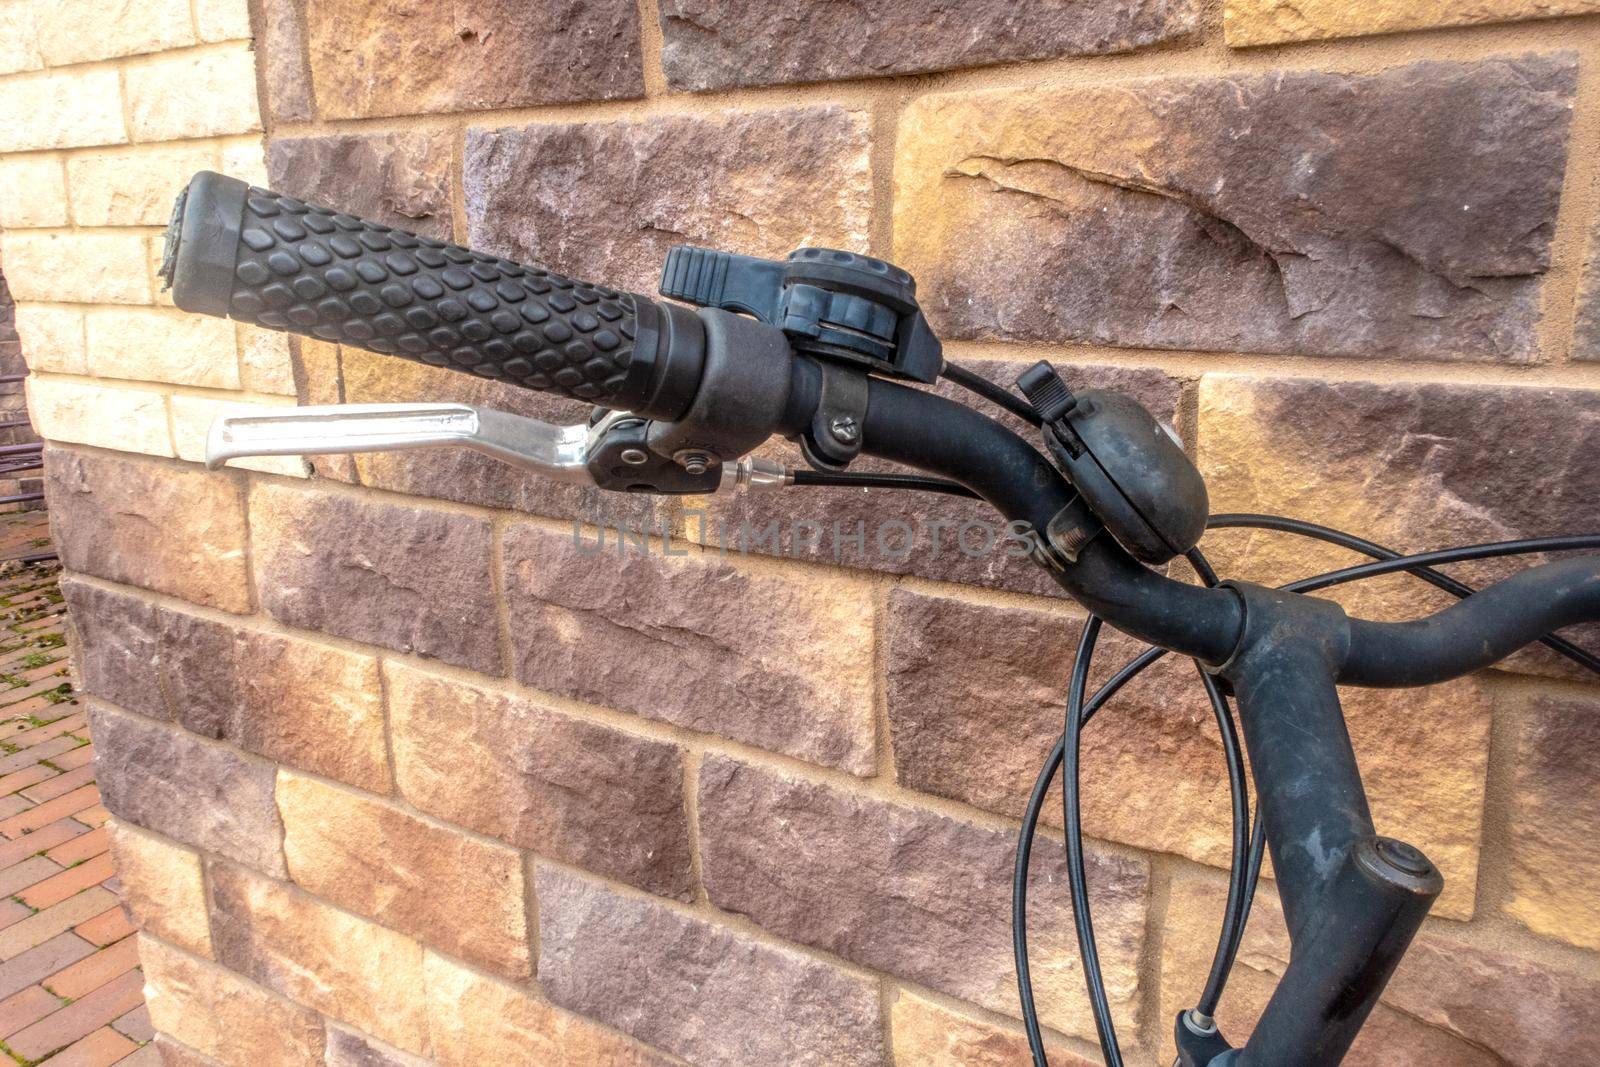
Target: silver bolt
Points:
(634, 457)
(844, 429)
(692, 460)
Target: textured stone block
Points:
(432, 882)
(205, 795)
(128, 420)
(153, 344)
(696, 642)
(1554, 836)
(52, 338)
(907, 891)
(119, 639)
(194, 94)
(222, 20)
(713, 44)
(161, 887)
(734, 181)
(927, 1034)
(318, 956)
(460, 474)
(1390, 1038)
(281, 51)
(265, 365)
(1411, 465)
(61, 111)
(100, 506)
(960, 675)
(33, 192)
(405, 578)
(1256, 22)
(659, 974)
(497, 54)
(567, 789)
(77, 268)
(474, 1020)
(218, 1013)
(19, 37)
(939, 537)
(133, 187)
(1405, 214)
(395, 179)
(348, 1048)
(77, 31)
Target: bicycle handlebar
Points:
(279, 262)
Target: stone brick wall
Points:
(404, 773)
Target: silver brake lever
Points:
(559, 452)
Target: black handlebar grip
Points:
(276, 261)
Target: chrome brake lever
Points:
(559, 452)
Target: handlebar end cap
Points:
(202, 243)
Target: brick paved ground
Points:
(71, 993)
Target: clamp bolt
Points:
(844, 429)
(692, 460)
(634, 457)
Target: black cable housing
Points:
(995, 394)
(887, 480)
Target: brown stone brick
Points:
(961, 675)
(161, 886)
(347, 1048)
(1257, 22)
(571, 790)
(218, 1013)
(1194, 916)
(405, 578)
(927, 1034)
(1411, 465)
(188, 525)
(733, 181)
(470, 477)
(281, 53)
(698, 643)
(316, 955)
(1294, 212)
(475, 1020)
(300, 703)
(907, 891)
(941, 537)
(199, 793)
(395, 179)
(713, 44)
(658, 974)
(1554, 837)
(432, 882)
(497, 54)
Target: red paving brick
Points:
(70, 991)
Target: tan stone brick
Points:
(203, 94)
(222, 20)
(265, 365)
(80, 268)
(132, 186)
(473, 1020)
(32, 192)
(1257, 22)
(162, 887)
(927, 1034)
(77, 31)
(19, 37)
(1554, 837)
(351, 1048)
(128, 420)
(192, 417)
(434, 882)
(247, 161)
(61, 111)
(101, 506)
(316, 955)
(52, 338)
(156, 345)
(216, 1012)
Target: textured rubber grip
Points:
(279, 262)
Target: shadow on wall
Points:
(20, 475)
